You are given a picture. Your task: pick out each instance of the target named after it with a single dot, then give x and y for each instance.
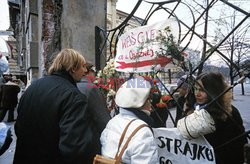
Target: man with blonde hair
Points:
(53, 124)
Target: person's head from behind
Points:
(7, 77)
(208, 87)
(134, 93)
(70, 61)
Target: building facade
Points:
(114, 18)
(44, 27)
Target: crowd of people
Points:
(62, 117)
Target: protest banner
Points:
(141, 50)
(174, 149)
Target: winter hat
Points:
(133, 93)
(182, 83)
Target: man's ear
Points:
(73, 70)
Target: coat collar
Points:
(65, 75)
(138, 114)
(127, 112)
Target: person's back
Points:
(53, 125)
(225, 132)
(133, 101)
(96, 103)
(38, 123)
(142, 147)
(37, 140)
(9, 95)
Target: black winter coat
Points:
(232, 152)
(96, 103)
(53, 125)
(8, 95)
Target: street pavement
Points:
(240, 101)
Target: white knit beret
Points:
(133, 93)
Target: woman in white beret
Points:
(134, 104)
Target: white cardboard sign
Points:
(134, 54)
(174, 149)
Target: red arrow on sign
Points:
(163, 61)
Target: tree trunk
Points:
(204, 43)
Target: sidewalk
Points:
(243, 104)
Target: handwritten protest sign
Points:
(135, 54)
(174, 149)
